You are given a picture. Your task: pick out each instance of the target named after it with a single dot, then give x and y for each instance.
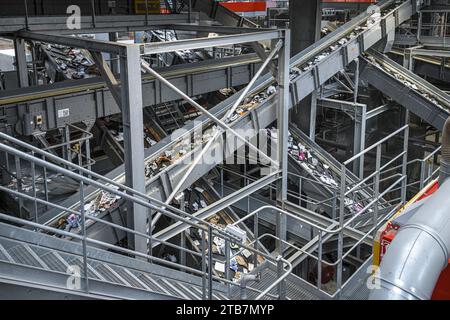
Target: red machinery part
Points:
(259, 6)
(241, 6)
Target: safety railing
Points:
(86, 177)
(345, 222)
(24, 178)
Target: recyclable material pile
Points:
(72, 63)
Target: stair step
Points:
(4, 255)
(51, 260)
(110, 275)
(188, 290)
(21, 255)
(153, 283)
(91, 272)
(129, 277)
(169, 286)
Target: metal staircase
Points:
(36, 254)
(154, 285)
(169, 116)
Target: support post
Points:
(359, 138)
(133, 131)
(21, 62)
(283, 132)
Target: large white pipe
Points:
(419, 252)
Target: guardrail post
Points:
(376, 187)
(83, 227)
(405, 157)
(299, 191)
(45, 183)
(33, 177)
(203, 265)
(341, 234)
(256, 235)
(282, 284)
(319, 263)
(210, 263)
(422, 175)
(227, 265)
(19, 182)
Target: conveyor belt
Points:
(425, 66)
(310, 69)
(90, 99)
(411, 91)
(326, 170)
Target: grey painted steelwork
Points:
(300, 87)
(412, 98)
(116, 23)
(90, 99)
(111, 275)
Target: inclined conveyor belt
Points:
(409, 90)
(309, 70)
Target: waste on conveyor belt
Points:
(170, 35)
(402, 78)
(309, 162)
(241, 262)
(161, 161)
(309, 65)
(102, 202)
(73, 63)
(184, 146)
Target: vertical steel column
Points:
(313, 115)
(341, 234)
(183, 234)
(405, 158)
(114, 59)
(283, 132)
(359, 142)
(83, 228)
(419, 26)
(4, 168)
(133, 131)
(21, 62)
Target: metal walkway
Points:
(24, 255)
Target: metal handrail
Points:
(211, 229)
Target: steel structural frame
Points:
(309, 80)
(95, 98)
(359, 111)
(58, 24)
(129, 99)
(283, 48)
(129, 96)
